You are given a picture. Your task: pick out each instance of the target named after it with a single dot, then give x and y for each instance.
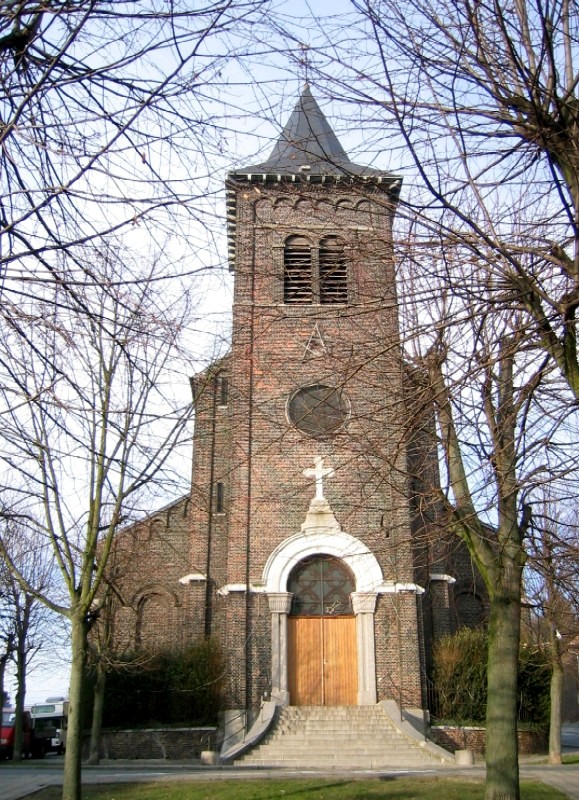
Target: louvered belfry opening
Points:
(297, 286)
(333, 271)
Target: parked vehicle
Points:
(49, 723)
(7, 733)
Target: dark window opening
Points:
(315, 276)
(333, 271)
(219, 498)
(222, 390)
(297, 287)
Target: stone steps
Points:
(345, 737)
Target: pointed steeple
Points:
(308, 146)
(307, 151)
(306, 140)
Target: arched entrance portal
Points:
(322, 535)
(322, 653)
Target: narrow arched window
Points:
(297, 286)
(222, 390)
(219, 498)
(333, 271)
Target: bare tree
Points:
(551, 585)
(500, 562)
(26, 619)
(107, 111)
(6, 628)
(492, 442)
(90, 419)
(478, 103)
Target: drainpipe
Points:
(248, 620)
(208, 581)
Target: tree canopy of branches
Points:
(107, 130)
(483, 98)
(478, 102)
(90, 418)
(106, 114)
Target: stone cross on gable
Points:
(319, 473)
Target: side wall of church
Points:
(247, 657)
(147, 562)
(398, 668)
(211, 493)
(455, 595)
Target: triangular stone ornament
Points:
(316, 346)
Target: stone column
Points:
(364, 606)
(279, 605)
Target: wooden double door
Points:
(322, 661)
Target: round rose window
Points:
(318, 410)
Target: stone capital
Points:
(438, 576)
(364, 602)
(280, 602)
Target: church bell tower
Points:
(304, 539)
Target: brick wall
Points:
(152, 609)
(475, 738)
(167, 743)
(398, 667)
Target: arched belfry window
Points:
(321, 586)
(333, 271)
(297, 259)
(315, 274)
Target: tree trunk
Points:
(556, 700)
(73, 756)
(20, 694)
(502, 782)
(3, 662)
(97, 714)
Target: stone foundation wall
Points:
(167, 743)
(475, 738)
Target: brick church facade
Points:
(308, 545)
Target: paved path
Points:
(17, 781)
(565, 778)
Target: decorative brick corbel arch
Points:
(166, 598)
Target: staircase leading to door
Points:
(339, 737)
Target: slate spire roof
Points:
(308, 145)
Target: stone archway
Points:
(321, 534)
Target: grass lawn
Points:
(279, 789)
